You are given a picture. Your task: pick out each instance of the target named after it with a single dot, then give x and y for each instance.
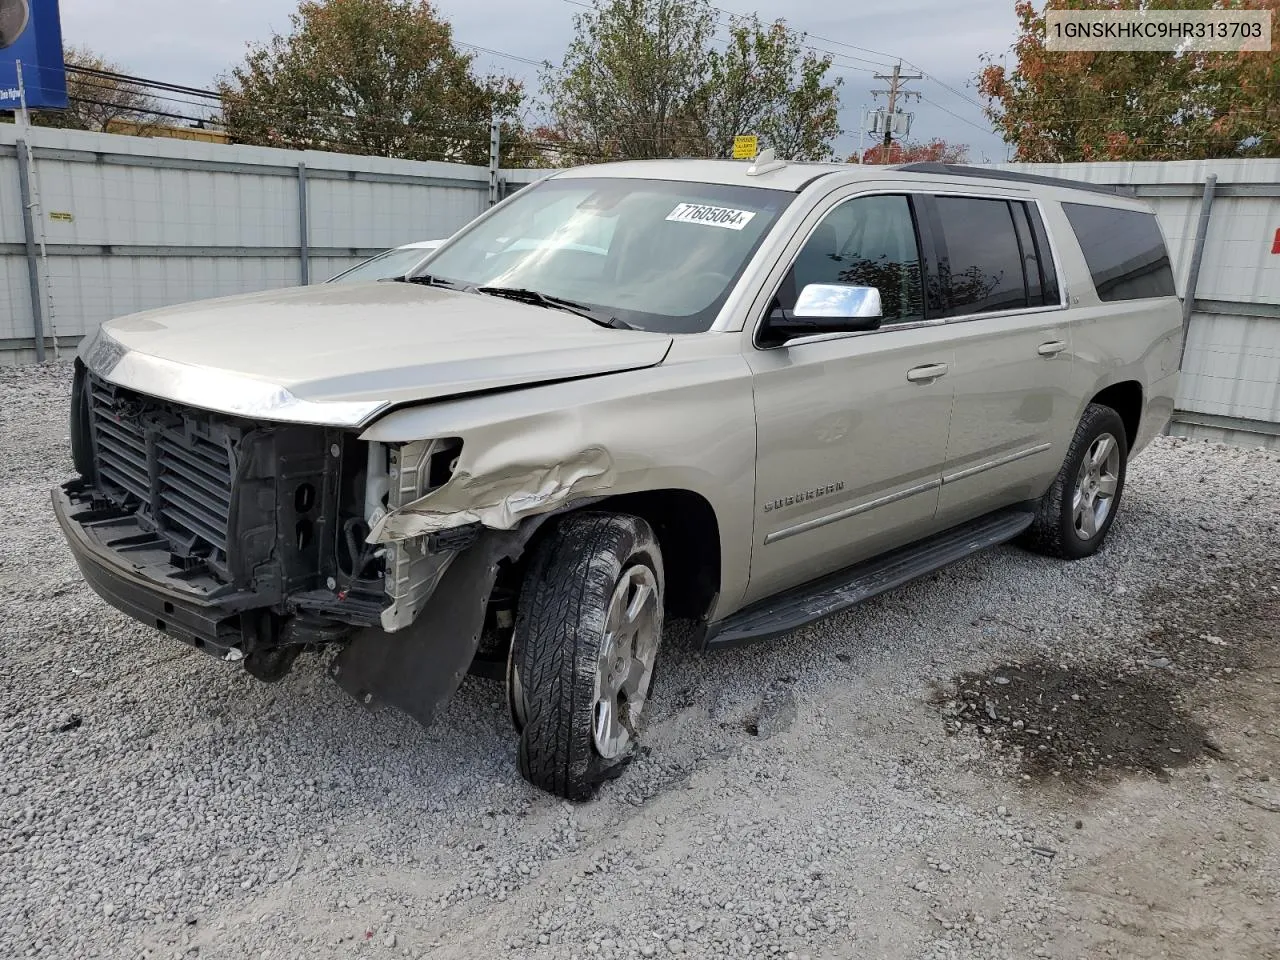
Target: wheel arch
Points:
(688, 533)
(1126, 398)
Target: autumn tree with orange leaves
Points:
(1128, 105)
(936, 150)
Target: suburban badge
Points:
(804, 495)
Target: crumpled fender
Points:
(503, 487)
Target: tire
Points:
(1077, 512)
(586, 638)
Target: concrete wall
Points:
(131, 223)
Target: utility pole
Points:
(896, 80)
(495, 155)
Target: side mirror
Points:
(827, 308)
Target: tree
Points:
(95, 98)
(644, 79)
(379, 77)
(542, 146)
(1129, 105)
(936, 150)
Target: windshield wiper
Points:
(429, 281)
(525, 295)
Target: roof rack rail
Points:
(986, 173)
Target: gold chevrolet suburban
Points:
(748, 394)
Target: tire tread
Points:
(559, 624)
(1048, 533)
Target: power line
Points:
(499, 53)
(886, 61)
(132, 113)
(976, 126)
(946, 86)
(141, 81)
(478, 127)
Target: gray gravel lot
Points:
(811, 797)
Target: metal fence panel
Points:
(133, 223)
(1232, 367)
(10, 199)
(1238, 262)
(15, 299)
(371, 214)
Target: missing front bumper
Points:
(190, 612)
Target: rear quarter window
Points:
(1124, 250)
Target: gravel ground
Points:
(1012, 758)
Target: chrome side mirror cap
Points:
(837, 301)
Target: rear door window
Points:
(980, 263)
(1124, 250)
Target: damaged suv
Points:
(747, 394)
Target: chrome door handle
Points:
(928, 373)
(1051, 349)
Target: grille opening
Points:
(303, 533)
(168, 607)
(160, 625)
(170, 465)
(304, 498)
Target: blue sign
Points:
(31, 34)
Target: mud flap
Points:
(419, 668)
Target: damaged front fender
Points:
(498, 496)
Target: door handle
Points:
(1051, 349)
(928, 373)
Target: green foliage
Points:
(645, 78)
(378, 77)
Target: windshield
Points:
(391, 263)
(655, 254)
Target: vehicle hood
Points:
(340, 355)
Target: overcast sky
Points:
(192, 43)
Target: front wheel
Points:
(586, 639)
(1077, 512)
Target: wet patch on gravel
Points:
(1094, 720)
(1077, 722)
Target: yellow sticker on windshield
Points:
(700, 213)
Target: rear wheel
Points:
(1077, 512)
(585, 643)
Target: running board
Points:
(841, 590)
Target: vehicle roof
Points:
(795, 176)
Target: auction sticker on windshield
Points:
(725, 217)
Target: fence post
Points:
(1197, 255)
(494, 144)
(29, 235)
(304, 238)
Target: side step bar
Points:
(841, 590)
